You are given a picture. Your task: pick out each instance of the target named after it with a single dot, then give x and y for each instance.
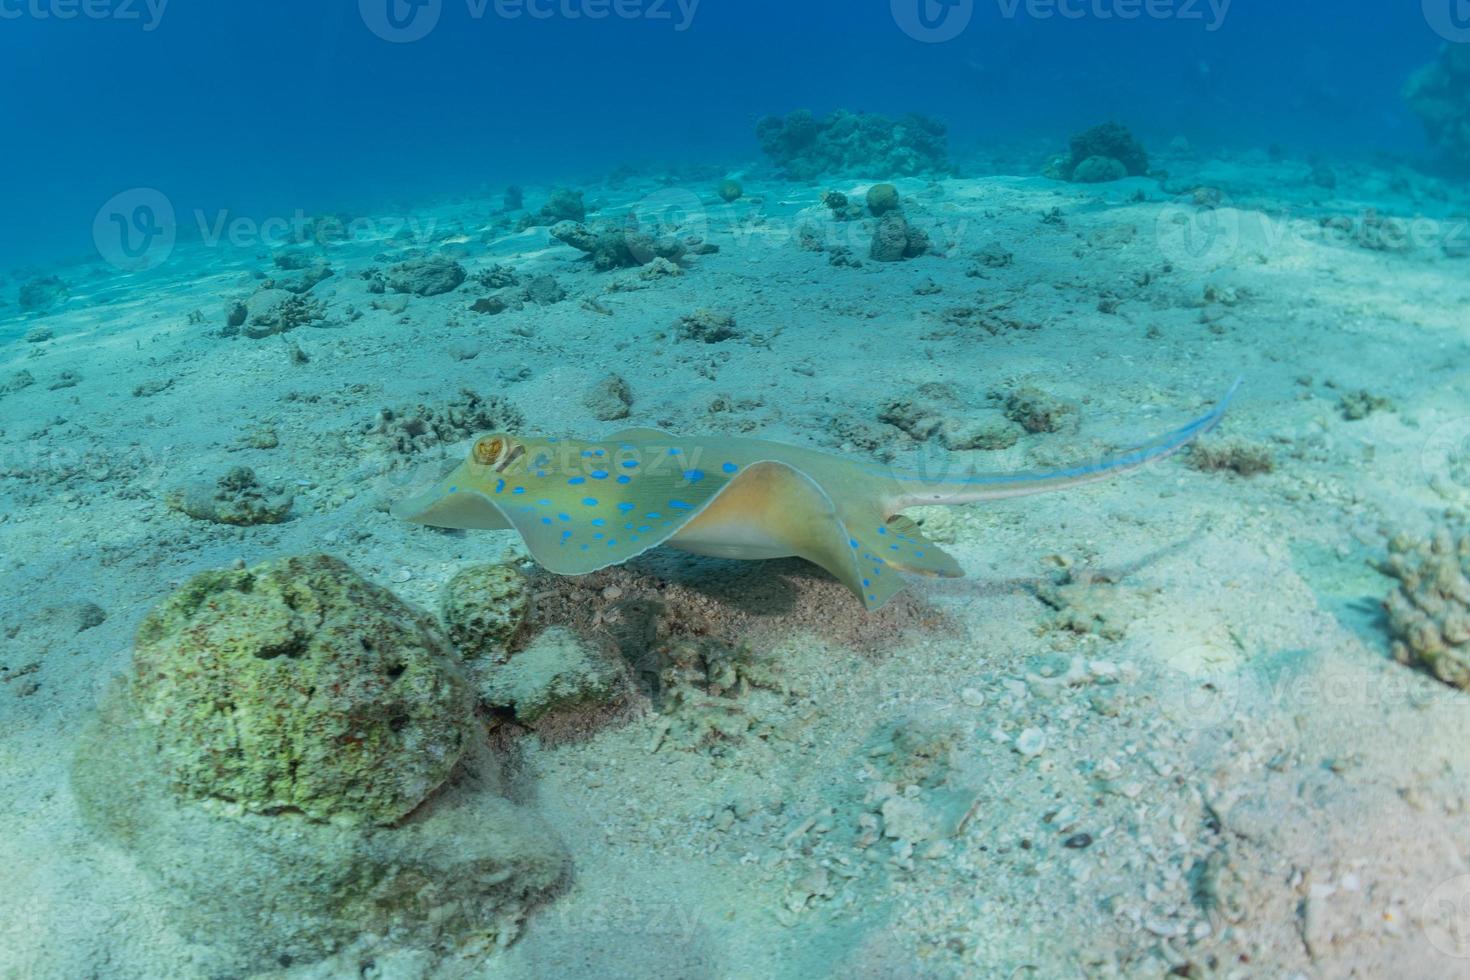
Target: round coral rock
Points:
(300, 685)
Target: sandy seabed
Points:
(1167, 700)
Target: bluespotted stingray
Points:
(581, 506)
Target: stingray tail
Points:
(914, 491)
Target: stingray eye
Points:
(487, 451)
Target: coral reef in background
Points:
(1104, 153)
(296, 762)
(1439, 94)
(1429, 612)
(805, 147)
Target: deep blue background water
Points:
(273, 105)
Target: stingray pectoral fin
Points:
(453, 502)
(906, 548)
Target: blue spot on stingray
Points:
(624, 478)
(598, 536)
(680, 505)
(589, 501)
(625, 507)
(918, 554)
(586, 546)
(565, 535)
(694, 476)
(628, 526)
(586, 453)
(564, 518)
(577, 481)
(553, 439)
(611, 542)
(456, 489)
(541, 473)
(499, 486)
(630, 464)
(599, 474)
(893, 547)
(519, 490)
(729, 467)
(882, 530)
(853, 542)
(867, 582)
(644, 529)
(674, 452)
(545, 520)
(872, 598)
(653, 515)
(544, 503)
(598, 522)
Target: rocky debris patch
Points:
(897, 239)
(237, 498)
(272, 311)
(610, 399)
(1429, 612)
(1238, 456)
(707, 326)
(1037, 411)
(412, 429)
(431, 276)
(1104, 153)
(43, 293)
(613, 247)
(484, 608)
(556, 672)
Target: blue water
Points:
(278, 105)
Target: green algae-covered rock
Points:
(882, 198)
(299, 685)
(1099, 170)
(484, 607)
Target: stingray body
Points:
(584, 505)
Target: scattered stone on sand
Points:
(39, 335)
(506, 299)
(545, 291)
(69, 618)
(883, 198)
(484, 608)
(431, 276)
(496, 277)
(896, 239)
(17, 381)
(557, 671)
(730, 191)
(66, 379)
(660, 268)
(1036, 411)
(614, 247)
(414, 429)
(1106, 152)
(273, 311)
(1099, 170)
(708, 326)
(41, 294)
(610, 399)
(152, 387)
(1358, 405)
(237, 498)
(311, 274)
(278, 726)
(1429, 612)
(1239, 456)
(983, 430)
